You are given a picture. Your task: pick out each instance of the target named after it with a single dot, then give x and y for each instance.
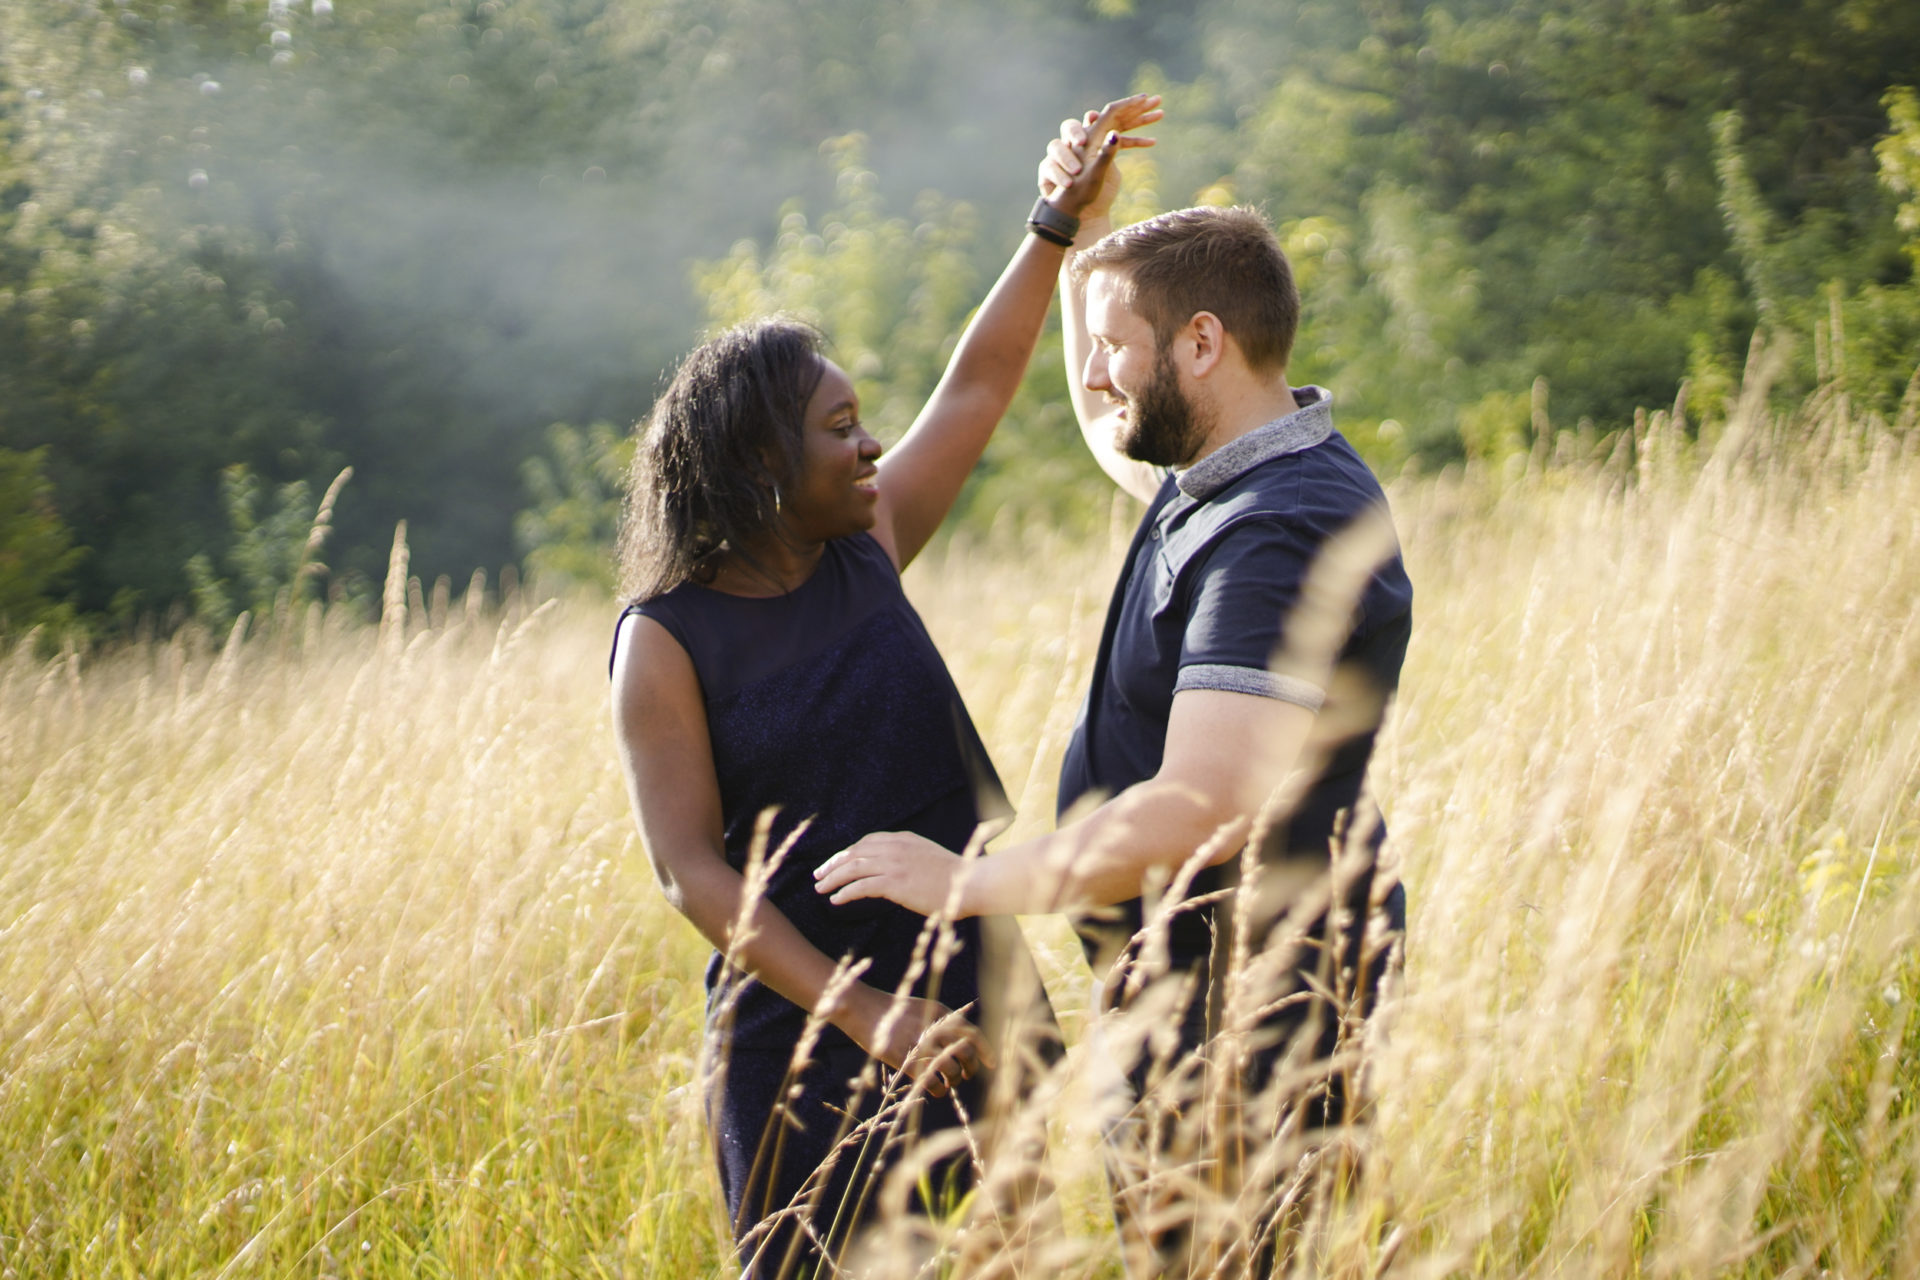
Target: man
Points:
(1208, 689)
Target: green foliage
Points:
(1749, 221)
(411, 233)
(890, 294)
(270, 553)
(36, 549)
(1563, 189)
(1494, 426)
(569, 533)
(1899, 156)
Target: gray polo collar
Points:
(1302, 429)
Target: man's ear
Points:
(1208, 343)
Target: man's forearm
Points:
(1142, 836)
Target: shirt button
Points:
(1153, 535)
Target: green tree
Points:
(1899, 156)
(569, 533)
(36, 550)
(1498, 191)
(890, 294)
(273, 554)
(409, 233)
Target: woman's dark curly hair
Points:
(721, 440)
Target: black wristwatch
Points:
(1052, 225)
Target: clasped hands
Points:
(1077, 176)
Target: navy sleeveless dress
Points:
(830, 707)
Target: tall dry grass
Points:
(327, 958)
(333, 952)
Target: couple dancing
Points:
(809, 786)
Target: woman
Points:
(775, 697)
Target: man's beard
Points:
(1162, 427)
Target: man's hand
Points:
(935, 1046)
(897, 865)
(1078, 176)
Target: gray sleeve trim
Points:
(1254, 680)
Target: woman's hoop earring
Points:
(776, 499)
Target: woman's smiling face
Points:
(835, 493)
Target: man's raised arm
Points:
(1097, 412)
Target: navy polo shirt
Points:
(1215, 569)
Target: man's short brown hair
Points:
(1225, 261)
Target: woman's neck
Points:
(770, 566)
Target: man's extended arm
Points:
(1225, 755)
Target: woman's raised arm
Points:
(921, 476)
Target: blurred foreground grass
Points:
(334, 953)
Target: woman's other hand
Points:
(898, 866)
(935, 1046)
(1078, 175)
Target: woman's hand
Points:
(935, 1046)
(1078, 176)
(897, 865)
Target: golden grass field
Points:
(333, 952)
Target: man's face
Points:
(1158, 423)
